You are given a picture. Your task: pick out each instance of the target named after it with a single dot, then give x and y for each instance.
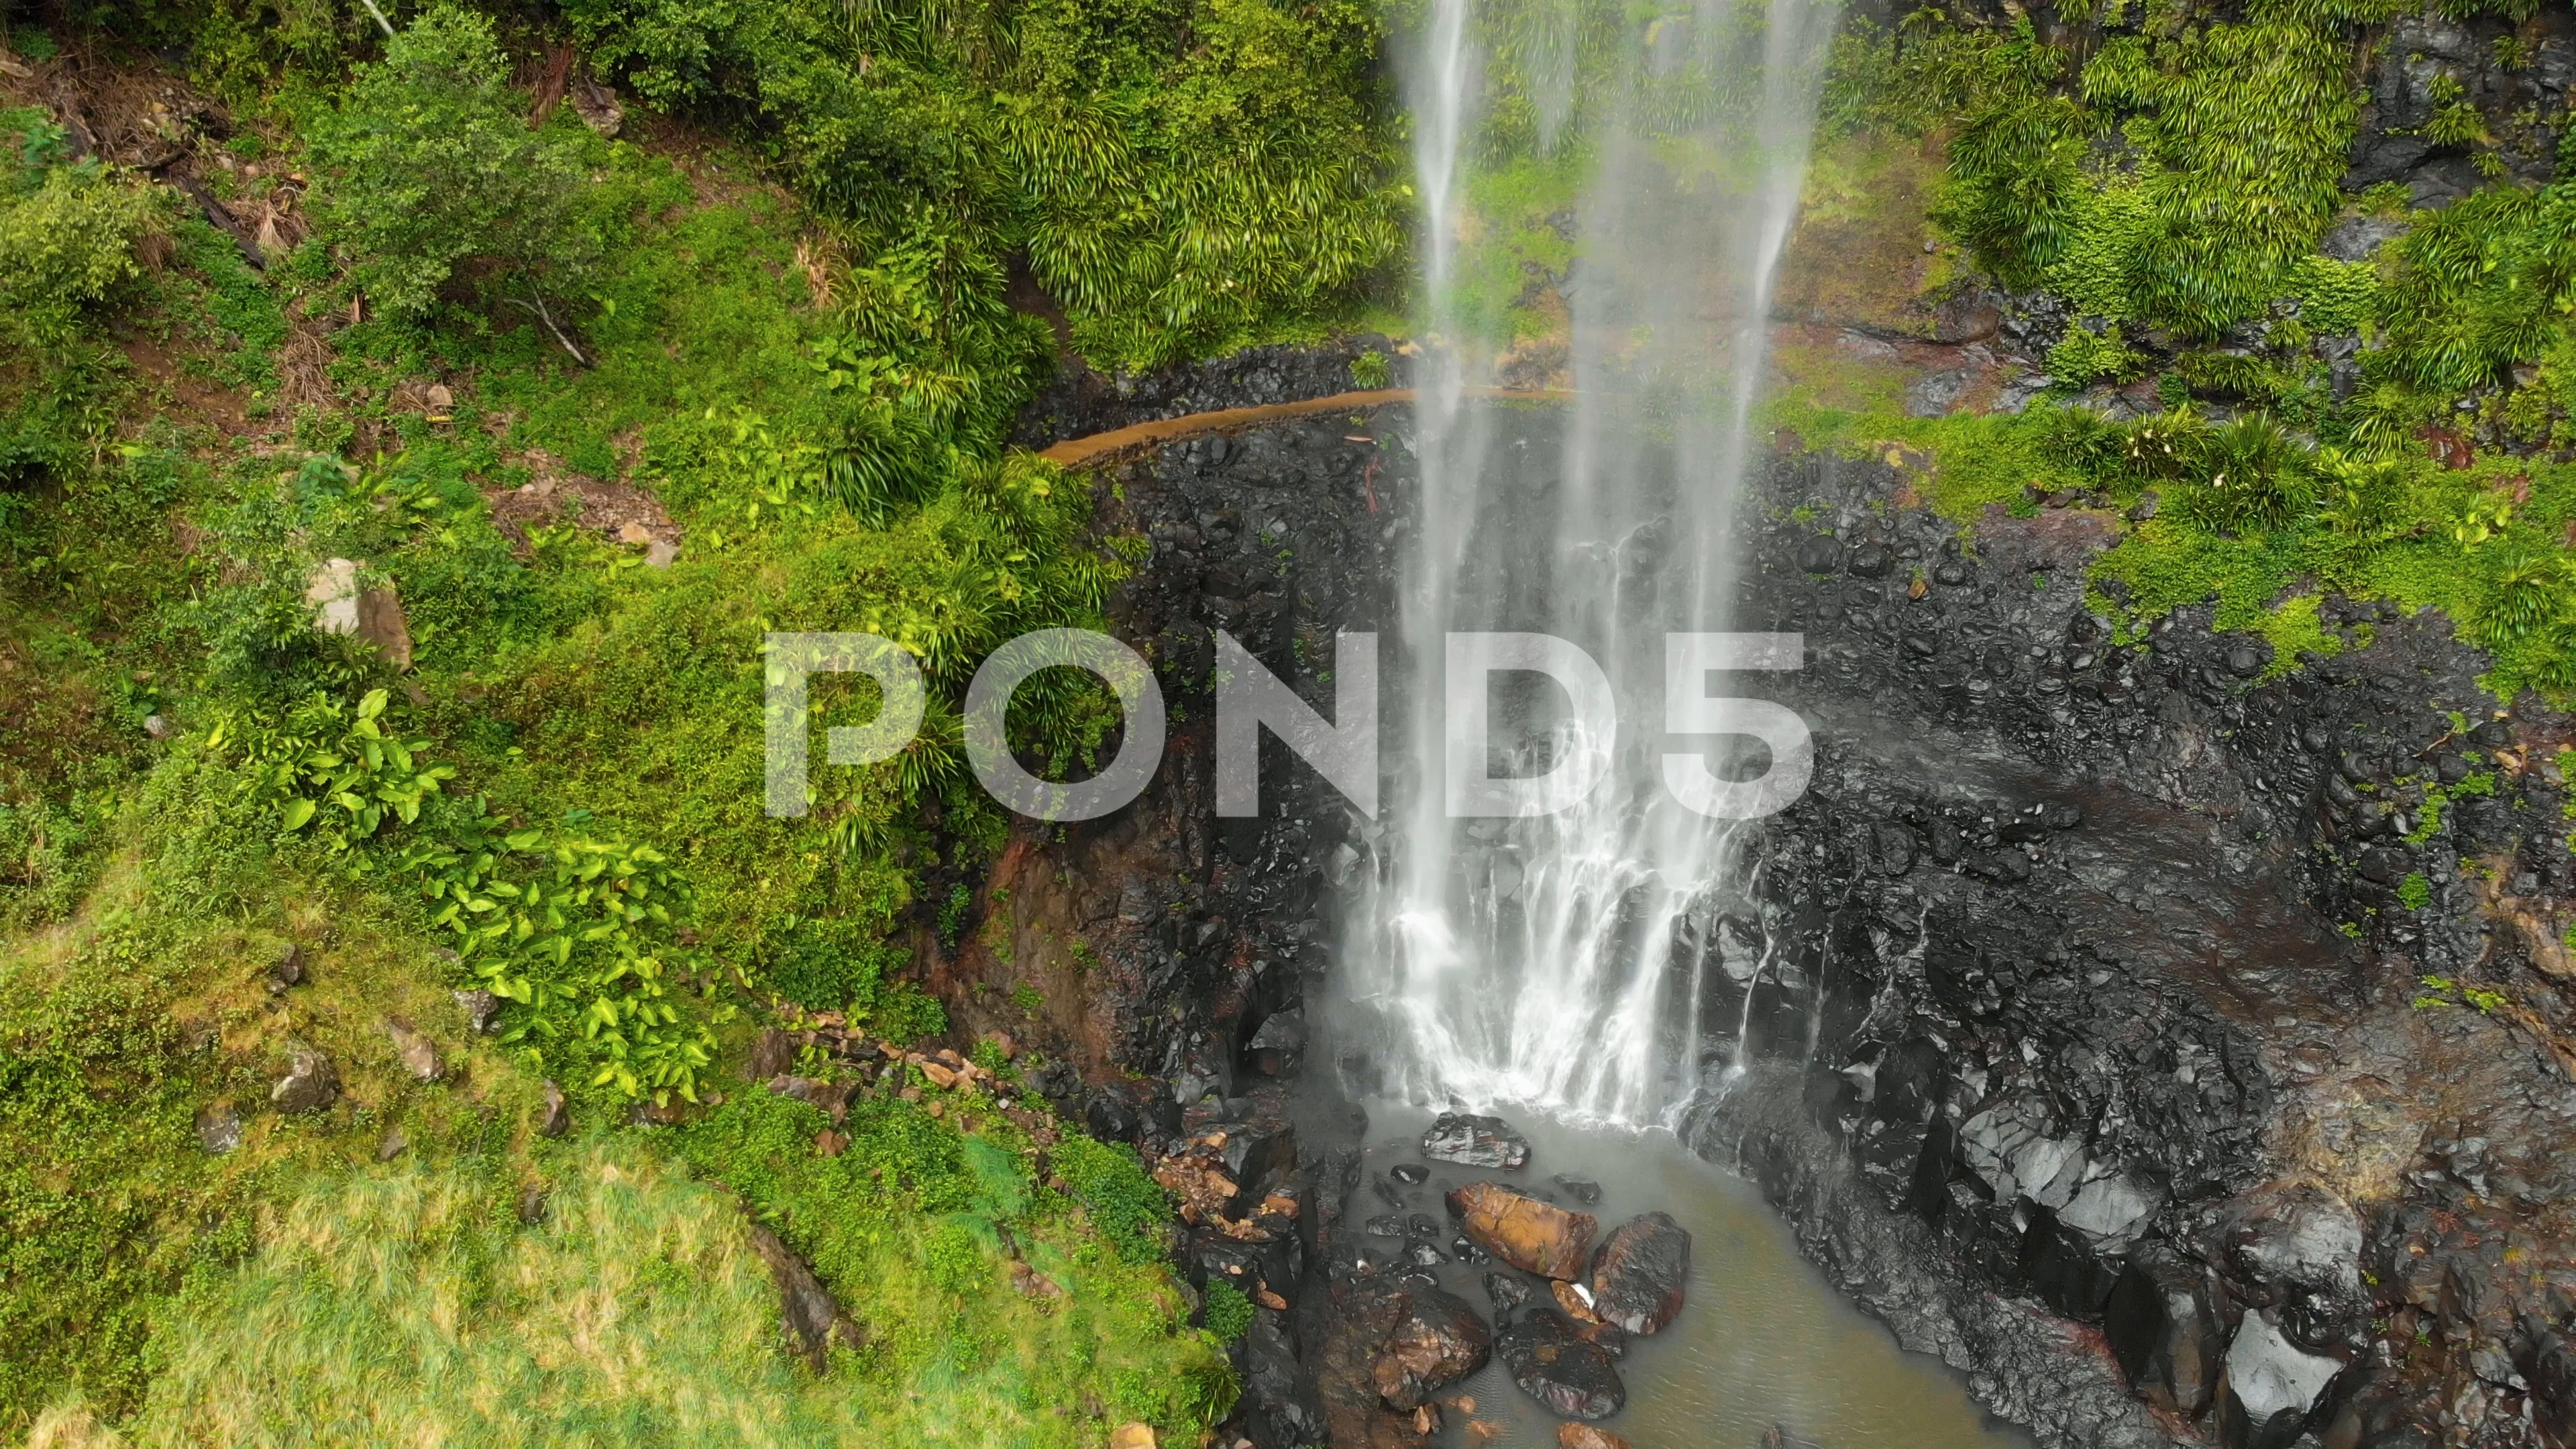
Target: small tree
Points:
(434, 176)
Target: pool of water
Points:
(1762, 1341)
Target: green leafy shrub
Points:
(64, 247)
(1228, 1313)
(2083, 357)
(1177, 175)
(2252, 477)
(434, 178)
(1126, 1204)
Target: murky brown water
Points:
(1762, 1339)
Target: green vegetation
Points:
(463, 350)
(2170, 175)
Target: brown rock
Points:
(1132, 1436)
(830, 1143)
(1585, 1436)
(381, 623)
(1436, 1339)
(288, 971)
(1640, 1272)
(1532, 1236)
(813, 1315)
(417, 1053)
(1574, 1300)
(310, 1084)
(940, 1077)
(771, 1055)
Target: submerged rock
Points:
(1472, 1141)
(1585, 1190)
(1584, 1436)
(1532, 1236)
(1640, 1271)
(1556, 1366)
(1509, 1293)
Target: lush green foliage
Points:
(432, 167)
(1177, 175)
(2225, 145)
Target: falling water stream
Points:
(1554, 966)
(1531, 959)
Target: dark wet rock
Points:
(1279, 1046)
(1380, 1348)
(219, 1127)
(1110, 1117)
(311, 1083)
(2162, 1324)
(1421, 1225)
(1639, 1272)
(1280, 1408)
(482, 1009)
(1424, 1255)
(2167, 980)
(1610, 1338)
(556, 1117)
(1522, 1231)
(1554, 1365)
(2300, 1247)
(2270, 1387)
(1509, 1293)
(814, 1318)
(1584, 1189)
(1472, 1141)
(1411, 1174)
(1465, 1250)
(1385, 1225)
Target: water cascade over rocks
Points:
(1513, 953)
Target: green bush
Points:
(63, 248)
(434, 179)
(1126, 1204)
(1180, 174)
(1228, 1313)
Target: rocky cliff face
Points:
(2175, 1043)
(2214, 1007)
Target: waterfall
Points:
(1557, 962)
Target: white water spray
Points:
(1558, 962)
